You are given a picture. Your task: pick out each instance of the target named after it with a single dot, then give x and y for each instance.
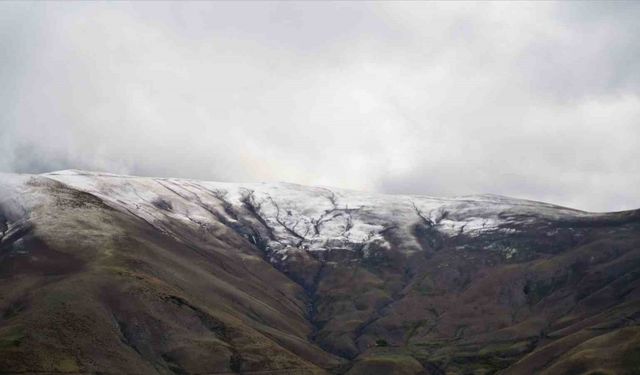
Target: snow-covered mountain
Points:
(289, 217)
(356, 277)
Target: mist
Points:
(530, 100)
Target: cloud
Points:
(531, 100)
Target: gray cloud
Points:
(533, 100)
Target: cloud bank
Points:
(532, 100)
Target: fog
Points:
(531, 100)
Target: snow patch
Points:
(302, 218)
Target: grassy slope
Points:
(85, 288)
(92, 289)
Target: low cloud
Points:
(532, 100)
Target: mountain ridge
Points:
(185, 276)
(464, 196)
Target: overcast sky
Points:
(531, 100)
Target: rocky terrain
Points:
(111, 274)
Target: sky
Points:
(531, 100)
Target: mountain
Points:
(110, 274)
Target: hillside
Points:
(120, 274)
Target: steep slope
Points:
(139, 275)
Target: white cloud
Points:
(530, 100)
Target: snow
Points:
(299, 217)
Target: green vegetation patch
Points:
(11, 337)
(631, 361)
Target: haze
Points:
(530, 100)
